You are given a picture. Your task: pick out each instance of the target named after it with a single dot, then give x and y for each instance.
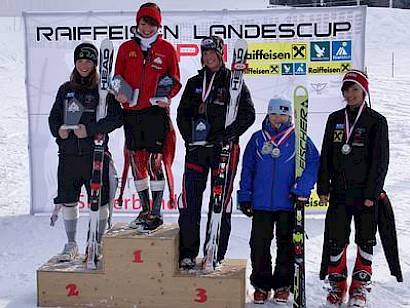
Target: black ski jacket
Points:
(89, 98)
(361, 173)
(215, 108)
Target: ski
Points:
(218, 191)
(105, 66)
(301, 101)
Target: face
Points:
(354, 96)
(145, 29)
(276, 119)
(211, 60)
(84, 67)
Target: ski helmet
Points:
(280, 105)
(86, 51)
(213, 42)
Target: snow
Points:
(27, 241)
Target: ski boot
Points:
(260, 296)
(281, 295)
(152, 222)
(70, 252)
(359, 289)
(337, 290)
(139, 221)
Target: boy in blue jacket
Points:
(267, 192)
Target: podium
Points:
(139, 270)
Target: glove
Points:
(230, 134)
(246, 208)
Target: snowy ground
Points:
(26, 241)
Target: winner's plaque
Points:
(164, 87)
(73, 111)
(200, 131)
(120, 86)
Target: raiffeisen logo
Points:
(341, 50)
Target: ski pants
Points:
(337, 232)
(74, 171)
(263, 225)
(198, 161)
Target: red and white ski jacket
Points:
(143, 73)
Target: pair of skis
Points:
(219, 193)
(105, 67)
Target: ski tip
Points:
(300, 91)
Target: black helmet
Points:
(86, 51)
(213, 42)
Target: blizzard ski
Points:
(105, 66)
(219, 192)
(301, 101)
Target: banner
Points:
(287, 47)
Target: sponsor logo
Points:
(338, 136)
(263, 69)
(276, 52)
(341, 50)
(318, 87)
(158, 60)
(287, 68)
(300, 68)
(340, 126)
(328, 68)
(320, 51)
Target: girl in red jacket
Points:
(142, 62)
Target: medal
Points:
(275, 153)
(346, 149)
(267, 148)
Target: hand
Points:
(246, 208)
(324, 199)
(162, 104)
(81, 131)
(368, 203)
(63, 133)
(121, 98)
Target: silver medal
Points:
(267, 148)
(346, 149)
(275, 152)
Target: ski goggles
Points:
(207, 44)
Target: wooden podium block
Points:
(128, 253)
(140, 271)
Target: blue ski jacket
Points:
(268, 182)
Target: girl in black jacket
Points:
(76, 145)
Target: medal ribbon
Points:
(205, 90)
(286, 135)
(348, 129)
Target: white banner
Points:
(287, 47)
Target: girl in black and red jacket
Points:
(149, 135)
(76, 146)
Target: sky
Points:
(26, 241)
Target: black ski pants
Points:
(198, 161)
(263, 225)
(74, 171)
